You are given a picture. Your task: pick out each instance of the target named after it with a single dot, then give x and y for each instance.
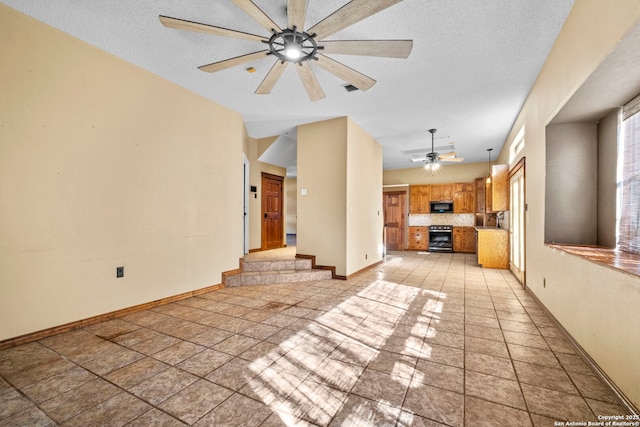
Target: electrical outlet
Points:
(119, 272)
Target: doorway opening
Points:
(245, 203)
(517, 212)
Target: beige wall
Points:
(340, 218)
(571, 213)
(465, 172)
(607, 179)
(365, 218)
(322, 171)
(105, 165)
(256, 168)
(292, 205)
(597, 305)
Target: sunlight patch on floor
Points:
(308, 376)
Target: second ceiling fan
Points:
(294, 45)
(432, 159)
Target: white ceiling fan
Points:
(294, 45)
(432, 159)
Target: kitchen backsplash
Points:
(458, 220)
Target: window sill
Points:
(612, 258)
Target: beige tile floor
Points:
(420, 340)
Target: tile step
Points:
(276, 276)
(276, 265)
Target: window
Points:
(629, 179)
(516, 146)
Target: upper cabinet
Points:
(464, 198)
(497, 190)
(441, 192)
(419, 197)
(480, 194)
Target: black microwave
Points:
(441, 207)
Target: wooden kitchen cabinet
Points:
(419, 197)
(464, 198)
(480, 194)
(441, 192)
(464, 239)
(418, 238)
(493, 247)
(497, 190)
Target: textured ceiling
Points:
(472, 66)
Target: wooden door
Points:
(272, 216)
(394, 220)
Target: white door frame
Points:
(517, 221)
(245, 207)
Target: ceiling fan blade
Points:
(349, 14)
(347, 74)
(231, 62)
(271, 78)
(181, 24)
(256, 13)
(309, 81)
(384, 48)
(451, 159)
(419, 159)
(451, 154)
(296, 13)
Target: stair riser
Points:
(273, 278)
(298, 264)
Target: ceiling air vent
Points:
(350, 88)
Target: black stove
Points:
(440, 238)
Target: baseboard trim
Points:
(362, 270)
(228, 273)
(284, 245)
(333, 269)
(38, 335)
(321, 267)
(626, 403)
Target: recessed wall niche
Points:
(582, 149)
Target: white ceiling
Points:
(472, 66)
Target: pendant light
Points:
(489, 177)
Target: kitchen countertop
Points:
(489, 228)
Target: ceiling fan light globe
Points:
(292, 51)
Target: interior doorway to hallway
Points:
(245, 203)
(517, 210)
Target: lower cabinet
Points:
(493, 247)
(418, 238)
(464, 239)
